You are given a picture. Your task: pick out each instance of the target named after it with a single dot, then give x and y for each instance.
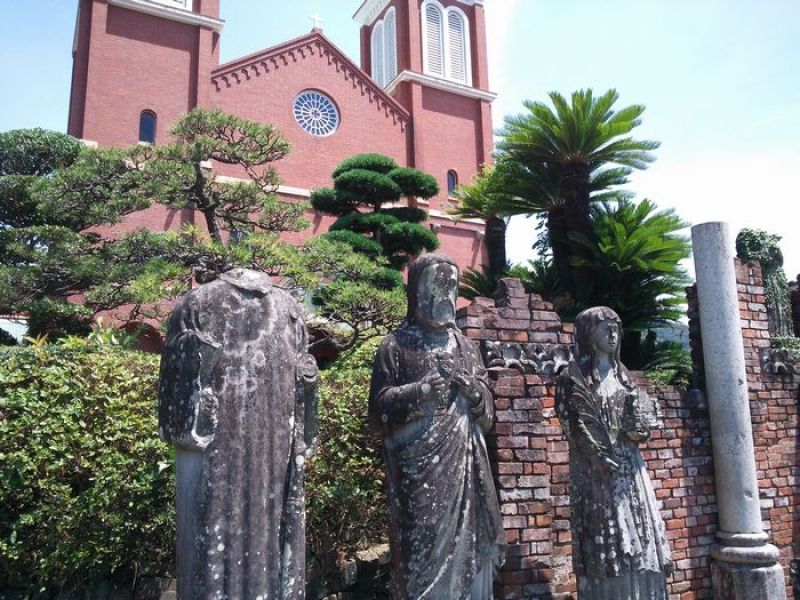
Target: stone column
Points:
(745, 565)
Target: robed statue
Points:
(430, 400)
(619, 543)
(237, 398)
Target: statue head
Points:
(598, 331)
(432, 292)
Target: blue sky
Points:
(720, 79)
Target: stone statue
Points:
(237, 398)
(430, 400)
(619, 544)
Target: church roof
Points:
(272, 59)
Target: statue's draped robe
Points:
(229, 399)
(619, 545)
(444, 517)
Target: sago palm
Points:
(486, 198)
(560, 160)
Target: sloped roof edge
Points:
(315, 36)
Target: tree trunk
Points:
(557, 231)
(495, 239)
(203, 204)
(213, 227)
(577, 220)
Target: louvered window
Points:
(456, 51)
(378, 59)
(446, 50)
(434, 41)
(384, 49)
(390, 46)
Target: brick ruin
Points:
(530, 451)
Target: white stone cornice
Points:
(441, 84)
(282, 189)
(150, 7)
(369, 11)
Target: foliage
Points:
(559, 161)
(665, 362)
(538, 277)
(477, 283)
(36, 152)
(57, 199)
(345, 497)
(362, 187)
(55, 246)
(789, 343)
(487, 198)
(756, 244)
(634, 259)
(86, 487)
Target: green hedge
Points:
(344, 481)
(86, 486)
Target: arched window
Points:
(445, 42)
(384, 49)
(147, 127)
(457, 50)
(452, 182)
(390, 46)
(377, 53)
(433, 40)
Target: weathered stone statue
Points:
(237, 398)
(619, 544)
(430, 399)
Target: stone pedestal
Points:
(730, 580)
(745, 565)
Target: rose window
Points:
(316, 113)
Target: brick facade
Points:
(530, 452)
(128, 60)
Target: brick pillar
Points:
(527, 447)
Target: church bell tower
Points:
(430, 55)
(138, 65)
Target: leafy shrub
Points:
(36, 151)
(370, 161)
(345, 498)
(414, 182)
(86, 486)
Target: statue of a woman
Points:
(430, 400)
(619, 544)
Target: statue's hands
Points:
(432, 392)
(468, 388)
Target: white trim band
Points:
(180, 15)
(441, 84)
(370, 9)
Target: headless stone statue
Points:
(430, 400)
(237, 398)
(619, 544)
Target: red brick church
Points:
(420, 94)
